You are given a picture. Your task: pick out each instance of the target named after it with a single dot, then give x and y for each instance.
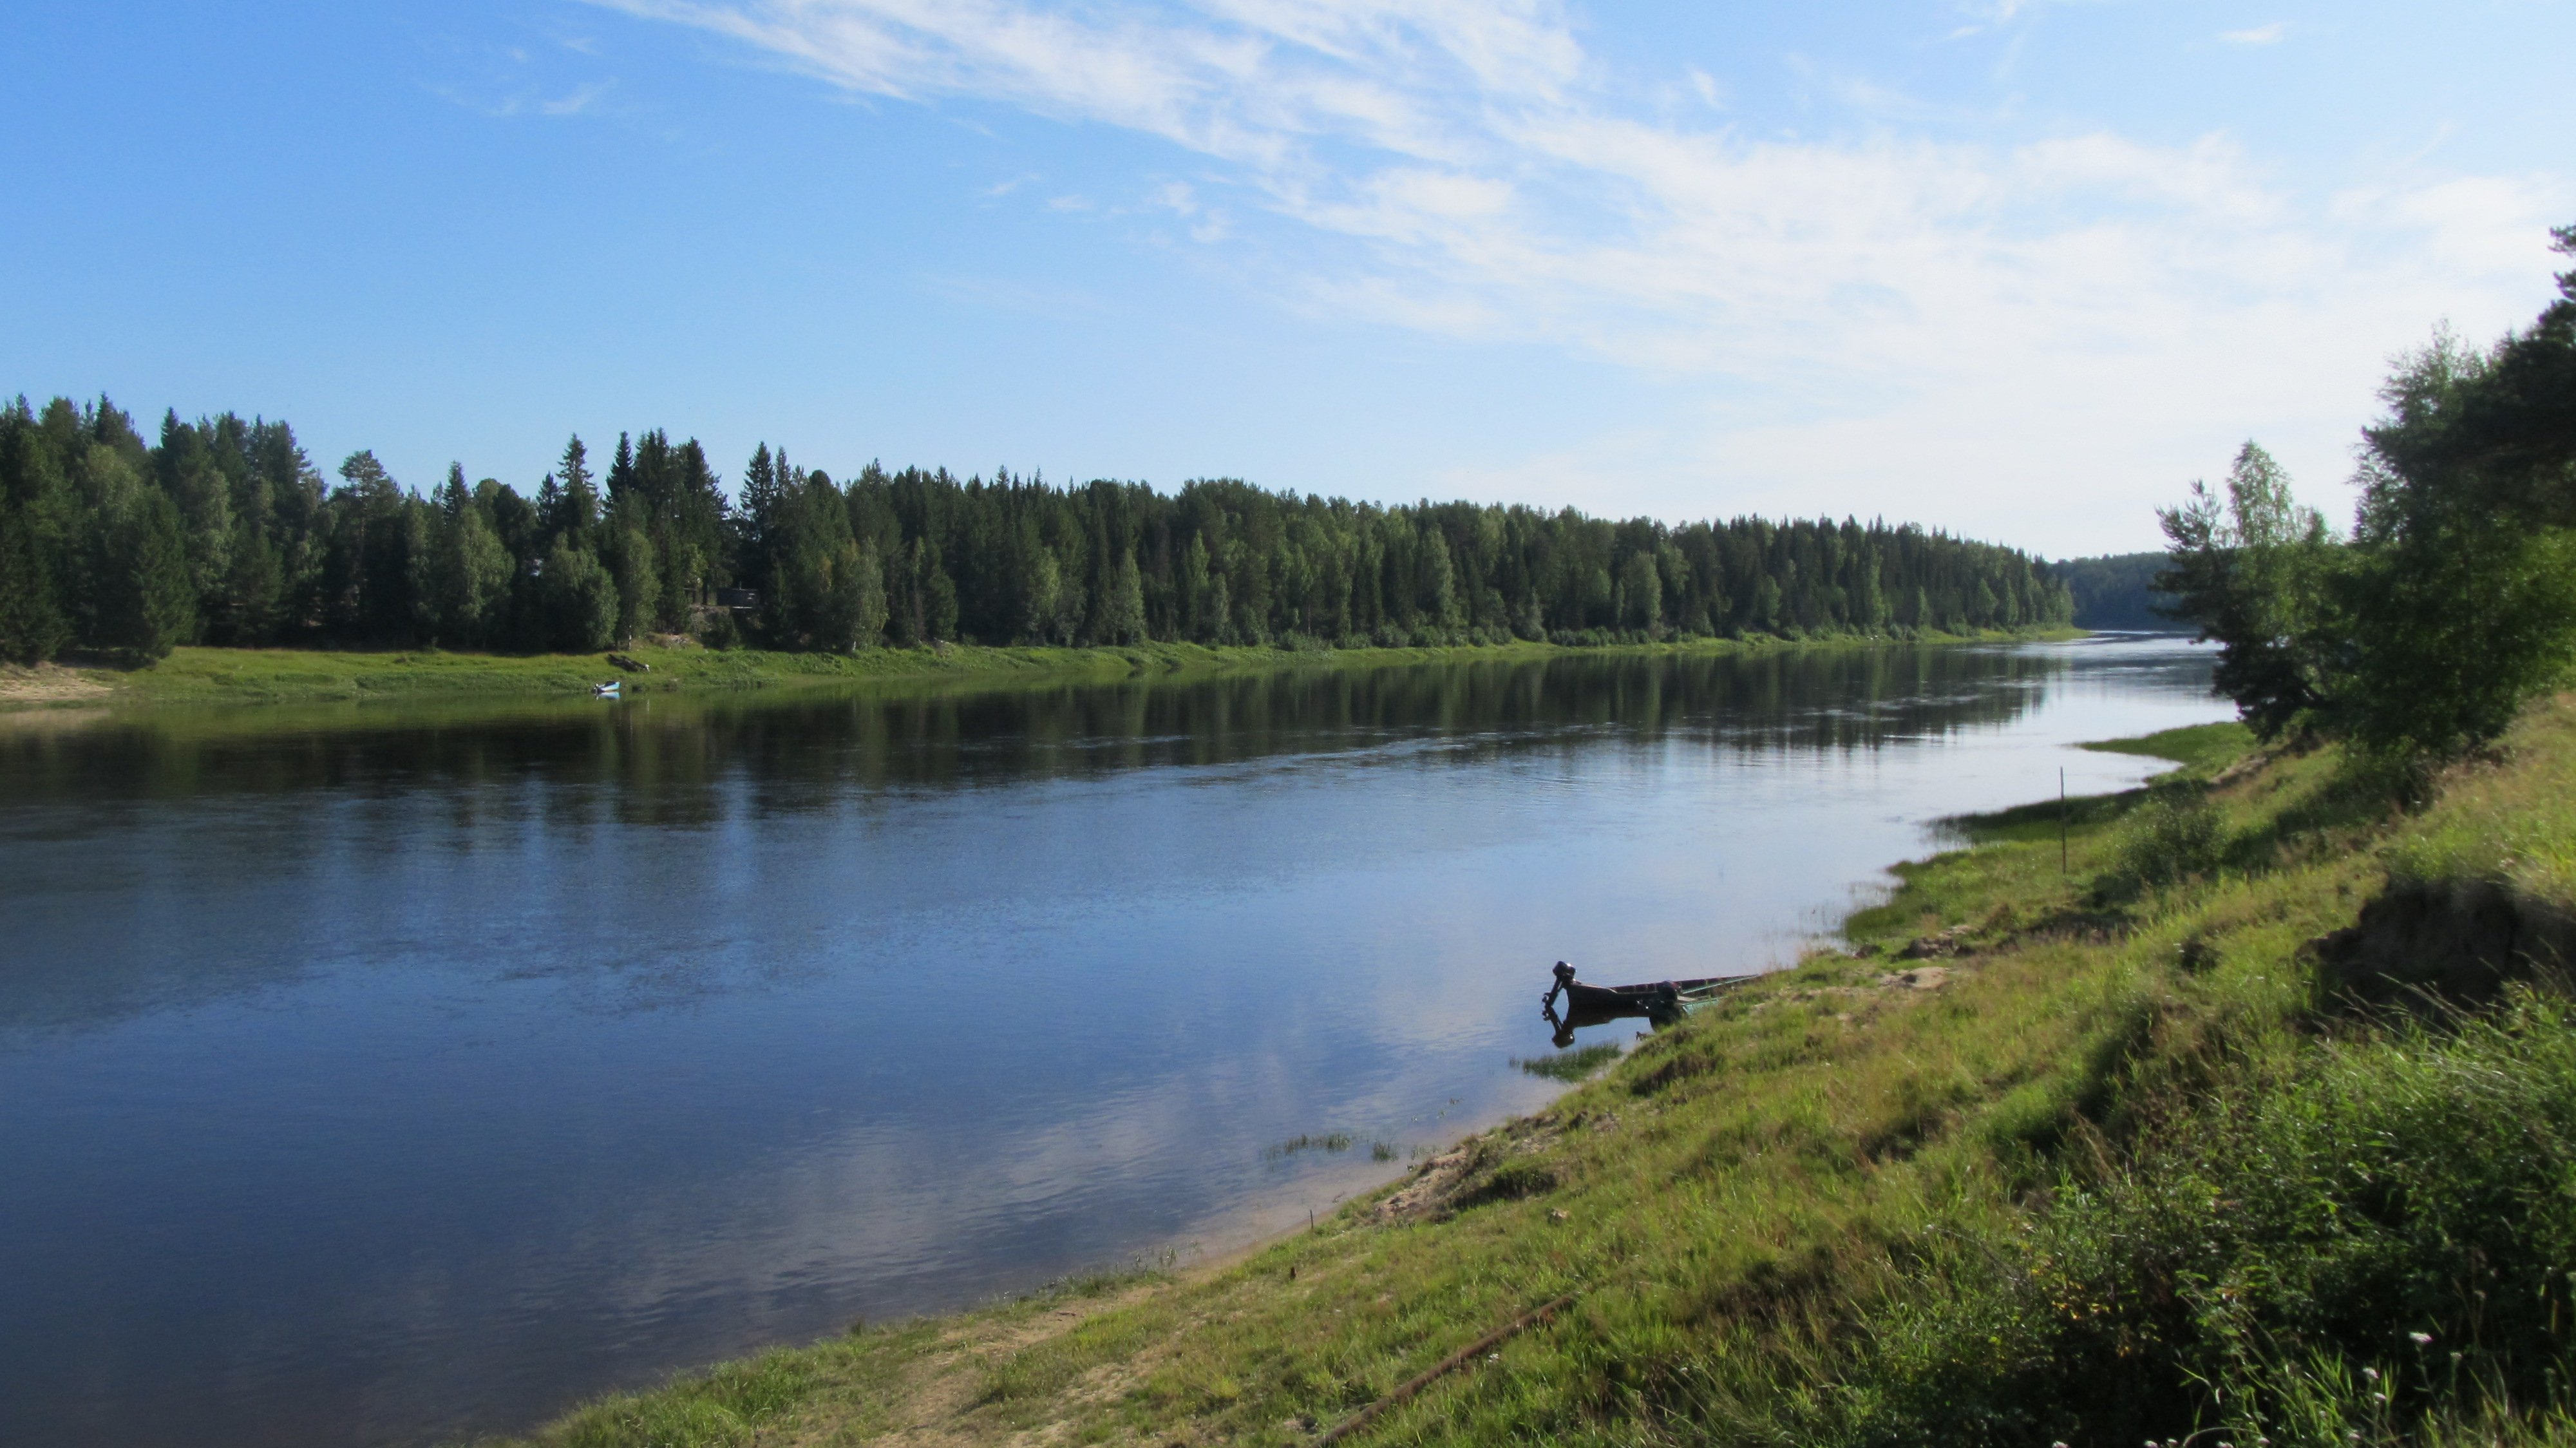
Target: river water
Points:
(392, 1074)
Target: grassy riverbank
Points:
(2047, 1154)
(250, 676)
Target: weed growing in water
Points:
(1571, 1065)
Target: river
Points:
(387, 1074)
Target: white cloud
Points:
(582, 98)
(2042, 324)
(2271, 34)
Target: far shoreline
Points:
(200, 675)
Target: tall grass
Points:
(2353, 1235)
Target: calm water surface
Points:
(381, 1076)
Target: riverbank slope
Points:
(258, 676)
(2149, 1143)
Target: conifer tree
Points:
(32, 626)
(570, 504)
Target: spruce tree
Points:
(32, 626)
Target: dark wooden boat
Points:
(1584, 998)
(1658, 995)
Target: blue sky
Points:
(2020, 268)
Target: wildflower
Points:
(2371, 1373)
(2421, 1339)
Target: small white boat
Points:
(605, 691)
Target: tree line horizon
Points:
(224, 532)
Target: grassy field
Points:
(255, 676)
(2044, 1155)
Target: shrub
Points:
(2174, 835)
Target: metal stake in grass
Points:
(2061, 819)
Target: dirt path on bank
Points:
(940, 1400)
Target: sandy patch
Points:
(48, 684)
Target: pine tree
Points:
(938, 593)
(570, 502)
(151, 600)
(32, 626)
(1439, 583)
(1195, 619)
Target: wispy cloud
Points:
(1465, 167)
(582, 98)
(505, 81)
(2271, 34)
(1985, 15)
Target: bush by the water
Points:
(2454, 601)
(2174, 835)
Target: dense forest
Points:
(2117, 591)
(2452, 602)
(223, 532)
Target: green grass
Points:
(211, 675)
(2508, 818)
(2198, 748)
(2118, 1168)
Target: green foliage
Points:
(147, 603)
(581, 599)
(2175, 835)
(2454, 604)
(2256, 574)
(2463, 593)
(2379, 1215)
(2116, 591)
